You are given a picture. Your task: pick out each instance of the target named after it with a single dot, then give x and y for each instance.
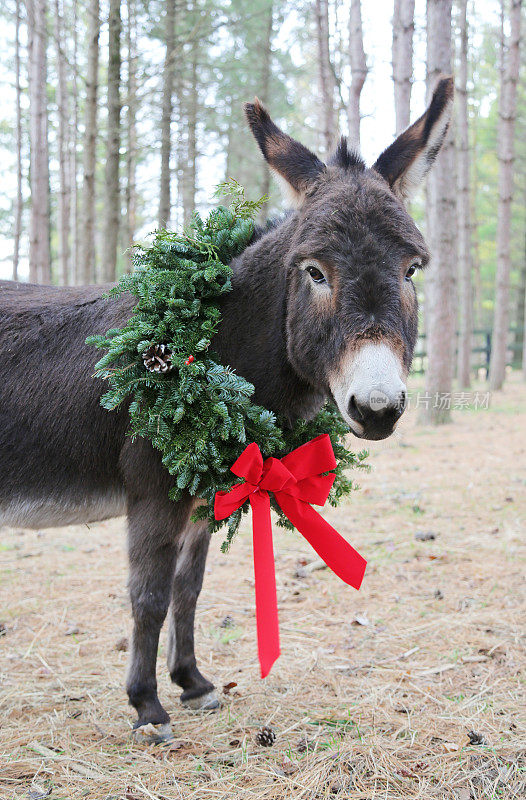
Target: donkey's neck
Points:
(252, 336)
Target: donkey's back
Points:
(59, 449)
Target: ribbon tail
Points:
(338, 554)
(265, 580)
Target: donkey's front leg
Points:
(153, 530)
(188, 579)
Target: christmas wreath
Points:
(196, 411)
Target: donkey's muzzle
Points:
(369, 389)
(377, 414)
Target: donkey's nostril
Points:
(378, 412)
(355, 411)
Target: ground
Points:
(375, 692)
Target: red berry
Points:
(189, 360)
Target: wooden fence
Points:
(480, 351)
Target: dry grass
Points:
(376, 710)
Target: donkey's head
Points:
(351, 305)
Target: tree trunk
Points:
(521, 313)
(64, 197)
(524, 328)
(505, 155)
(325, 75)
(19, 199)
(73, 166)
(165, 205)
(112, 187)
(229, 137)
(39, 243)
(475, 256)
(180, 147)
(87, 249)
(403, 30)
(266, 74)
(441, 277)
(463, 209)
(358, 71)
(131, 151)
(189, 172)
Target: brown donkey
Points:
(322, 306)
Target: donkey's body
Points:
(65, 466)
(66, 460)
(68, 464)
(320, 306)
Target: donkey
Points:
(322, 306)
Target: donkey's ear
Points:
(407, 161)
(292, 163)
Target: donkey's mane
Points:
(347, 157)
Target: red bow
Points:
(296, 481)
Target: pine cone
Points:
(158, 358)
(266, 736)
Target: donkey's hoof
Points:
(205, 702)
(153, 734)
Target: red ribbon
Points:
(296, 481)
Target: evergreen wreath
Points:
(199, 413)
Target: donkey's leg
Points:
(155, 523)
(188, 579)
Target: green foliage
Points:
(242, 208)
(200, 415)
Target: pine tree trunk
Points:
(229, 143)
(73, 166)
(520, 316)
(524, 328)
(403, 30)
(87, 248)
(112, 185)
(464, 209)
(505, 155)
(64, 197)
(39, 242)
(441, 276)
(266, 73)
(189, 173)
(165, 205)
(325, 75)
(181, 138)
(19, 199)
(475, 239)
(520, 307)
(131, 150)
(358, 71)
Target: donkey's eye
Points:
(411, 271)
(316, 274)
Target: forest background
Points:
(119, 116)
